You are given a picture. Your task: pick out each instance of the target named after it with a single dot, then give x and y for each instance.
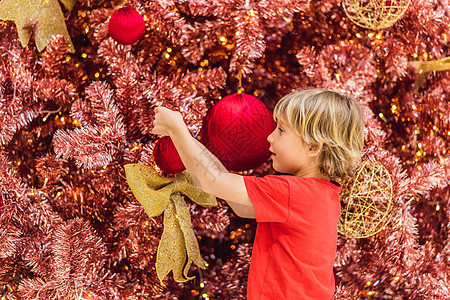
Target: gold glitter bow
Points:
(46, 15)
(158, 194)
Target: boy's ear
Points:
(315, 149)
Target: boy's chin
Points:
(279, 171)
(276, 168)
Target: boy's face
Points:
(290, 152)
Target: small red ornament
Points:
(166, 156)
(126, 25)
(236, 130)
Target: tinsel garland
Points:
(70, 121)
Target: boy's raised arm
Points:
(205, 169)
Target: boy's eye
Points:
(281, 130)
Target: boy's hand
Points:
(167, 121)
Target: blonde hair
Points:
(322, 116)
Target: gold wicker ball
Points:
(368, 207)
(375, 14)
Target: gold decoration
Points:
(239, 77)
(45, 15)
(442, 64)
(423, 67)
(375, 14)
(369, 205)
(158, 194)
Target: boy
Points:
(319, 137)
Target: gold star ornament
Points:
(45, 15)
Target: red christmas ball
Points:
(126, 25)
(166, 156)
(236, 130)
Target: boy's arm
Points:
(210, 175)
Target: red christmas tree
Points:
(69, 224)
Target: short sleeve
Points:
(269, 196)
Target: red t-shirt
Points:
(296, 237)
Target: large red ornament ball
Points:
(126, 25)
(166, 156)
(236, 130)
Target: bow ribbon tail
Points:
(171, 253)
(192, 247)
(177, 242)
